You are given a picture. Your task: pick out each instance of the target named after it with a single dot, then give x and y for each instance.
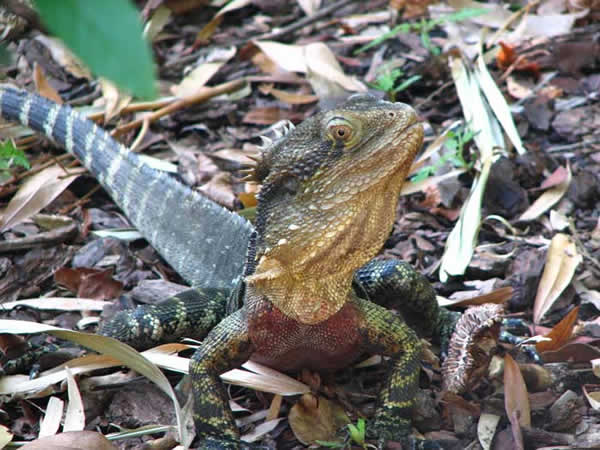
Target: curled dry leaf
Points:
(316, 419)
(516, 399)
(560, 334)
(549, 198)
(561, 261)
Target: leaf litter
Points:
(521, 196)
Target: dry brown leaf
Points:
(43, 87)
(497, 296)
(560, 334)
(573, 353)
(35, 194)
(547, 200)
(516, 399)
(292, 98)
(561, 261)
(76, 440)
(207, 31)
(199, 76)
(316, 419)
(89, 283)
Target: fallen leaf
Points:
(560, 334)
(486, 429)
(561, 261)
(592, 397)
(35, 194)
(75, 414)
(5, 436)
(43, 87)
(52, 417)
(208, 29)
(74, 440)
(574, 353)
(547, 200)
(89, 283)
(316, 419)
(516, 400)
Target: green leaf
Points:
(10, 155)
(107, 36)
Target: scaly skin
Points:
(327, 204)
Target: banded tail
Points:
(205, 243)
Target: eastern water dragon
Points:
(327, 204)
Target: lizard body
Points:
(326, 206)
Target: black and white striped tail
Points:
(203, 242)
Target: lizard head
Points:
(328, 202)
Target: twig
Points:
(576, 145)
(300, 23)
(201, 95)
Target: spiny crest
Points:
(259, 168)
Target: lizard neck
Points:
(308, 275)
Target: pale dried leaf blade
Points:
(274, 383)
(321, 62)
(596, 367)
(593, 398)
(75, 414)
(5, 436)
(288, 57)
(547, 200)
(498, 104)
(561, 262)
(486, 429)
(52, 417)
(105, 345)
(35, 194)
(516, 398)
(488, 136)
(58, 303)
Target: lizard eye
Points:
(340, 130)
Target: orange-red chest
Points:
(285, 344)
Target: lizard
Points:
(329, 192)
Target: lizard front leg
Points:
(396, 284)
(227, 346)
(387, 334)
